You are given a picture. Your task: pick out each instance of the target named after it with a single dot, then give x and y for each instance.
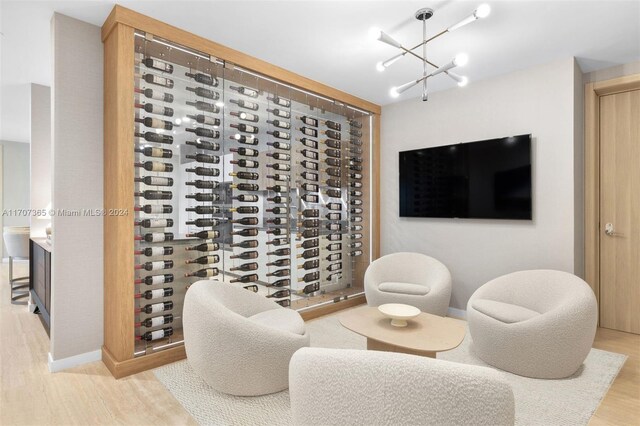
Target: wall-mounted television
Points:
(488, 179)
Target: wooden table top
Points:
(426, 332)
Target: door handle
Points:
(610, 231)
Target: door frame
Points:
(592, 94)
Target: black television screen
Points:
(488, 179)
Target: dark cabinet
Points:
(40, 277)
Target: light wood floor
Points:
(88, 395)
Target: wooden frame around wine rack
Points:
(118, 38)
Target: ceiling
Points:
(328, 40)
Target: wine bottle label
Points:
(161, 81)
(157, 236)
(248, 117)
(249, 92)
(156, 265)
(158, 293)
(157, 307)
(281, 113)
(309, 132)
(334, 267)
(210, 272)
(356, 219)
(210, 120)
(156, 251)
(156, 321)
(356, 253)
(157, 334)
(158, 223)
(157, 279)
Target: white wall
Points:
(40, 122)
(77, 290)
(539, 101)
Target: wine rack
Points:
(235, 176)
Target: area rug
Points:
(570, 401)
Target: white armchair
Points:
(16, 238)
(240, 342)
(355, 387)
(411, 278)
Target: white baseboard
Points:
(73, 361)
(457, 313)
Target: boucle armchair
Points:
(411, 278)
(356, 387)
(538, 323)
(238, 341)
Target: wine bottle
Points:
(309, 131)
(277, 231)
(156, 265)
(355, 253)
(204, 247)
(247, 232)
(332, 171)
(311, 288)
(334, 162)
(150, 336)
(356, 219)
(309, 254)
(334, 256)
(156, 279)
(203, 273)
(355, 193)
(278, 242)
(332, 143)
(355, 167)
(253, 288)
(354, 123)
(278, 220)
(280, 262)
(155, 237)
(245, 209)
(156, 321)
(280, 101)
(247, 91)
(246, 128)
(279, 156)
(355, 159)
(310, 213)
(333, 226)
(156, 294)
(335, 193)
(154, 152)
(279, 273)
(203, 197)
(245, 221)
(204, 106)
(307, 153)
(278, 210)
(245, 175)
(310, 198)
(155, 223)
(356, 228)
(205, 119)
(309, 121)
(207, 79)
(355, 244)
(156, 109)
(245, 244)
(203, 223)
(204, 132)
(280, 112)
(204, 93)
(157, 307)
(204, 260)
(332, 134)
(334, 237)
(354, 132)
(155, 166)
(245, 186)
(155, 137)
(280, 294)
(251, 266)
(355, 175)
(280, 252)
(247, 152)
(336, 275)
(310, 143)
(334, 266)
(334, 216)
(155, 123)
(155, 251)
(205, 145)
(309, 176)
(334, 247)
(356, 236)
(311, 165)
(280, 145)
(279, 166)
(204, 209)
(203, 184)
(278, 199)
(157, 80)
(155, 180)
(333, 125)
(154, 94)
(154, 195)
(355, 184)
(245, 279)
(279, 177)
(311, 276)
(356, 210)
(246, 116)
(247, 140)
(280, 283)
(204, 235)
(245, 255)
(334, 206)
(354, 150)
(249, 164)
(279, 123)
(335, 153)
(245, 104)
(285, 303)
(278, 188)
(309, 223)
(204, 171)
(309, 243)
(311, 187)
(310, 264)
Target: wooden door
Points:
(620, 211)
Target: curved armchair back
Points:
(414, 268)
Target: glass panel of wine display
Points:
(243, 179)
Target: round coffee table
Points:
(424, 335)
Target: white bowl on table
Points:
(399, 313)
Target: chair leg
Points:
(16, 286)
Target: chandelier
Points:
(460, 60)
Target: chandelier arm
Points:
(428, 40)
